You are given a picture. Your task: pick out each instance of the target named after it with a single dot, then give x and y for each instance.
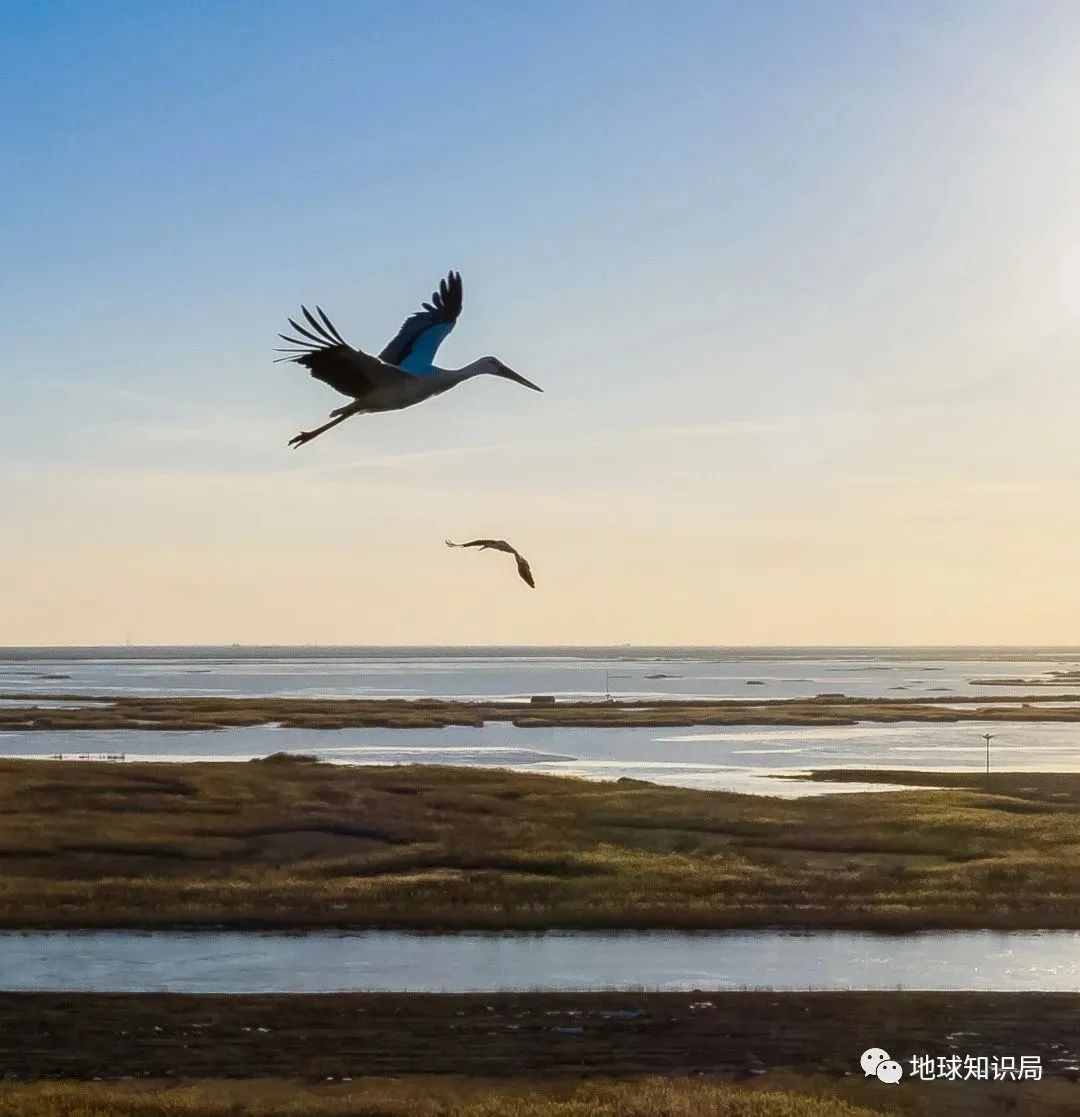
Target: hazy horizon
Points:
(1005, 649)
(801, 284)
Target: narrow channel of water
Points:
(328, 962)
(740, 758)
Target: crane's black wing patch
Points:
(415, 344)
(321, 349)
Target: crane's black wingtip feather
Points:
(319, 341)
(318, 327)
(330, 325)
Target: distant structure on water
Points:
(96, 756)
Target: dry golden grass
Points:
(790, 1096)
(645, 1098)
(304, 844)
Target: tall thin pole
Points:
(988, 737)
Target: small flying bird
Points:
(402, 374)
(501, 545)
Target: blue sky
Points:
(800, 281)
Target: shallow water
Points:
(516, 673)
(54, 703)
(325, 962)
(735, 758)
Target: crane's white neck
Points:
(451, 376)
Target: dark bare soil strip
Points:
(110, 1036)
(1031, 791)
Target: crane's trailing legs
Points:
(306, 436)
(340, 413)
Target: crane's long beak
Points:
(509, 374)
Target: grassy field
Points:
(299, 844)
(646, 1098)
(793, 1097)
(127, 712)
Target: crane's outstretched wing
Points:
(416, 343)
(333, 361)
(523, 567)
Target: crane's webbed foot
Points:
(301, 438)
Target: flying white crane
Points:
(402, 374)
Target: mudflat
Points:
(504, 1035)
(364, 1052)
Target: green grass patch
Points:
(306, 845)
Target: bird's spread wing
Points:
(523, 567)
(332, 360)
(416, 343)
(494, 544)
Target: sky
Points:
(801, 283)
